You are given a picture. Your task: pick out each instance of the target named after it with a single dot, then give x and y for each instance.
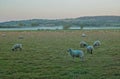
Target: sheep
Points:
(3, 35)
(76, 53)
(17, 46)
(20, 37)
(83, 35)
(96, 43)
(83, 44)
(90, 49)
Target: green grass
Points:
(45, 56)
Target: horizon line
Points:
(57, 18)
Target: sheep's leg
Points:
(15, 49)
(91, 51)
(73, 57)
(20, 49)
(87, 51)
(82, 58)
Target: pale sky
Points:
(56, 9)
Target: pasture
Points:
(45, 56)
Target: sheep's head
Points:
(85, 45)
(13, 49)
(69, 50)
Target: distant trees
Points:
(66, 26)
(21, 24)
(82, 26)
(98, 21)
(34, 24)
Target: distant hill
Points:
(88, 21)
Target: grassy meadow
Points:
(45, 56)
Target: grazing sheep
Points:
(96, 43)
(83, 44)
(17, 46)
(20, 37)
(76, 53)
(83, 35)
(3, 35)
(90, 49)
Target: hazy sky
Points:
(55, 9)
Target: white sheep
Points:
(83, 44)
(97, 43)
(84, 35)
(76, 53)
(20, 37)
(17, 46)
(90, 49)
(3, 35)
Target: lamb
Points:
(83, 44)
(17, 46)
(90, 49)
(96, 43)
(76, 53)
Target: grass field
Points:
(45, 56)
